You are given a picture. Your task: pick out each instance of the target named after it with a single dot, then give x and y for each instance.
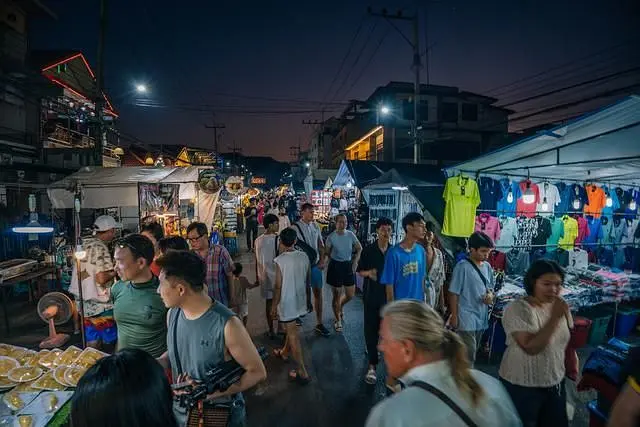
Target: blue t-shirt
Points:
(473, 313)
(406, 271)
(507, 204)
(342, 245)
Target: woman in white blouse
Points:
(435, 269)
(538, 331)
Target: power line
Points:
(366, 66)
(557, 67)
(355, 62)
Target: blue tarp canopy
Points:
(602, 146)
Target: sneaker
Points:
(321, 330)
(337, 325)
(371, 377)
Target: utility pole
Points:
(235, 150)
(99, 100)
(415, 44)
(215, 128)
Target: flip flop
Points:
(294, 376)
(277, 352)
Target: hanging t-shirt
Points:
(497, 260)
(578, 259)
(549, 199)
(507, 205)
(633, 197)
(461, 198)
(570, 233)
(597, 200)
(583, 230)
(543, 231)
(615, 202)
(517, 262)
(508, 232)
(564, 204)
(596, 233)
(528, 209)
(527, 229)
(557, 233)
(632, 226)
(575, 197)
(490, 193)
(489, 225)
(617, 232)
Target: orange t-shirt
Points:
(597, 200)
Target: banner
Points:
(160, 203)
(209, 181)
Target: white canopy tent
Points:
(603, 147)
(108, 187)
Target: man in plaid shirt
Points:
(219, 264)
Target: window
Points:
(449, 112)
(470, 112)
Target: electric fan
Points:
(56, 309)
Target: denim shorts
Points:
(316, 277)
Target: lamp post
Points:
(79, 254)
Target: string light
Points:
(528, 196)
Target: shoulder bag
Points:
(446, 400)
(206, 414)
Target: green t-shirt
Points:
(140, 316)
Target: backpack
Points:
(303, 246)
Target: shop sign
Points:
(258, 180)
(234, 184)
(209, 181)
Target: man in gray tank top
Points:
(203, 333)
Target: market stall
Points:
(569, 194)
(104, 188)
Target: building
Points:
(355, 121)
(454, 125)
(320, 149)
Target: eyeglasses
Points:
(193, 239)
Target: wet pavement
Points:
(337, 395)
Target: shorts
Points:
(316, 277)
(100, 328)
(243, 311)
(340, 273)
(266, 292)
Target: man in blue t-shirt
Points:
(405, 265)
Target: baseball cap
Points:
(105, 223)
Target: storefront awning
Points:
(602, 146)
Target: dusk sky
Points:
(221, 56)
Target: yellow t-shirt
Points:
(461, 198)
(570, 233)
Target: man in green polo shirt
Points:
(138, 309)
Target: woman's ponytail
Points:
(456, 353)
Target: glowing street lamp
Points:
(384, 110)
(141, 88)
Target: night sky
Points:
(237, 58)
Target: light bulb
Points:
(80, 253)
(349, 184)
(576, 204)
(528, 197)
(545, 205)
(609, 201)
(510, 197)
(633, 205)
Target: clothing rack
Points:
(552, 213)
(557, 246)
(498, 176)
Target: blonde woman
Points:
(431, 362)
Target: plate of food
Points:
(89, 357)
(17, 401)
(48, 382)
(6, 364)
(24, 357)
(35, 420)
(58, 375)
(73, 374)
(25, 387)
(6, 349)
(6, 383)
(67, 357)
(47, 359)
(24, 374)
(47, 403)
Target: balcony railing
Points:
(63, 137)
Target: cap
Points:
(105, 223)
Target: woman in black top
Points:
(374, 297)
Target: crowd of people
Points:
(184, 303)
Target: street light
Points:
(307, 164)
(228, 163)
(141, 88)
(384, 110)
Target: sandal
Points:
(337, 325)
(277, 352)
(294, 376)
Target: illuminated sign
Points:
(258, 180)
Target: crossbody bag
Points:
(206, 414)
(446, 400)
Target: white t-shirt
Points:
(283, 222)
(578, 259)
(545, 369)
(294, 266)
(508, 233)
(415, 407)
(631, 229)
(551, 193)
(266, 269)
(310, 234)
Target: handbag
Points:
(446, 400)
(206, 414)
